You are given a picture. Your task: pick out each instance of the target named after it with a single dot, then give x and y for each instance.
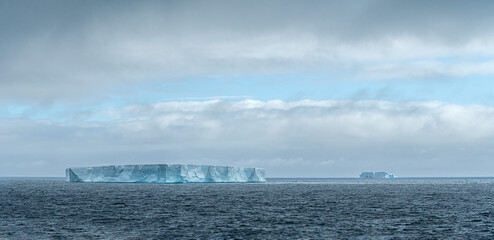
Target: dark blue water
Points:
(280, 209)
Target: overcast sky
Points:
(300, 88)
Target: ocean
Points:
(455, 208)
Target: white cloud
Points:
(303, 138)
(361, 119)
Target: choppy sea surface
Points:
(453, 208)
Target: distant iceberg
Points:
(165, 173)
(377, 175)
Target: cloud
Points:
(69, 62)
(58, 50)
(302, 138)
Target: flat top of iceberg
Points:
(157, 164)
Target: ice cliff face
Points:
(377, 175)
(165, 173)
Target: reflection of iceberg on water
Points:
(165, 173)
(377, 175)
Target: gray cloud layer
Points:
(53, 50)
(297, 139)
(57, 51)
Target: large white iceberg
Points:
(377, 175)
(165, 173)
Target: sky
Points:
(300, 88)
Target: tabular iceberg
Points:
(377, 175)
(165, 173)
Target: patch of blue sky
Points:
(8, 110)
(457, 90)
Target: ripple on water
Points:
(431, 208)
